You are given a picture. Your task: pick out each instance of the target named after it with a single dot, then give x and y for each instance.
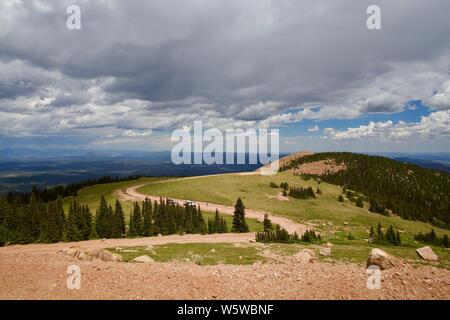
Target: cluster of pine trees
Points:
(391, 237)
(280, 235)
(301, 193)
(32, 221)
(218, 224)
(109, 222)
(432, 238)
(377, 207)
(353, 197)
(37, 221)
(407, 190)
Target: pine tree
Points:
(147, 217)
(137, 219)
(119, 220)
(85, 226)
(359, 202)
(445, 241)
(267, 223)
(102, 222)
(239, 223)
(371, 234)
(379, 232)
(72, 232)
(398, 240)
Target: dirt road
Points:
(291, 226)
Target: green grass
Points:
(91, 195)
(256, 193)
(199, 253)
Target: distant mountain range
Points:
(20, 169)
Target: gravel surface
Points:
(40, 272)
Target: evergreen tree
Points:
(359, 202)
(137, 219)
(445, 241)
(119, 221)
(239, 223)
(371, 234)
(341, 198)
(72, 231)
(147, 217)
(102, 219)
(267, 223)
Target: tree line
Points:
(280, 235)
(37, 221)
(432, 238)
(67, 190)
(390, 237)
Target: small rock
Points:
(325, 251)
(427, 253)
(305, 256)
(143, 259)
(329, 244)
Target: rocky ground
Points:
(40, 272)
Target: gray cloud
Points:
(158, 65)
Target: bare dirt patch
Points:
(319, 167)
(279, 197)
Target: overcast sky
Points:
(139, 69)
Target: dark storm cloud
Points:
(160, 64)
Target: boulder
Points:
(75, 252)
(427, 253)
(305, 256)
(326, 251)
(382, 259)
(143, 259)
(86, 255)
(102, 255)
(329, 244)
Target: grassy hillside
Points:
(333, 219)
(409, 191)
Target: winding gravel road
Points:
(131, 194)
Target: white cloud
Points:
(441, 99)
(314, 128)
(434, 126)
(134, 133)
